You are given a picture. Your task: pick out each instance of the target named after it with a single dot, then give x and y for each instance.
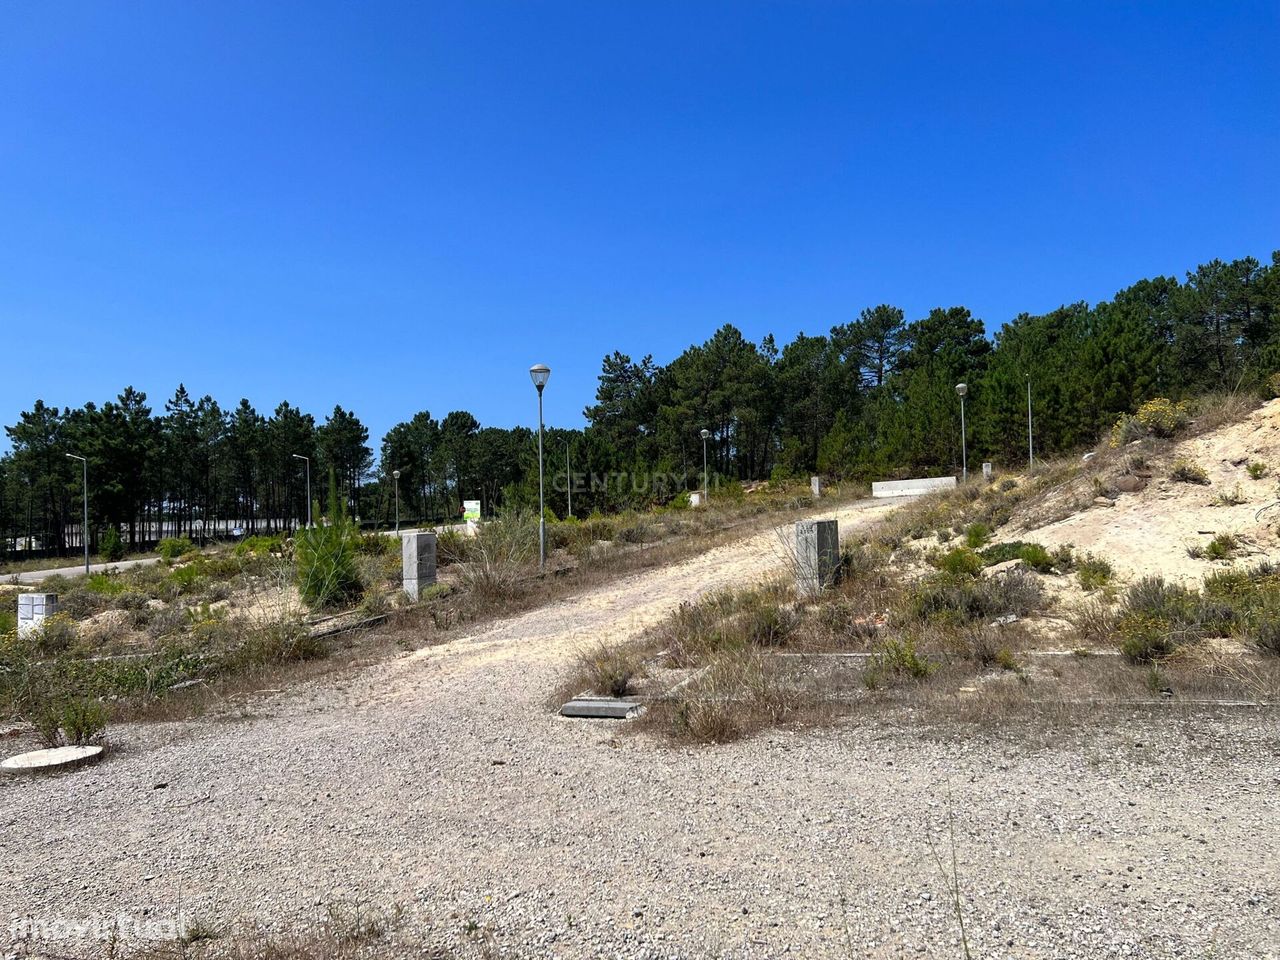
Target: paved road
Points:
(35, 576)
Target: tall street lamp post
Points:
(298, 456)
(962, 389)
(705, 433)
(84, 530)
(539, 373)
(395, 475)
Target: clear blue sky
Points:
(399, 207)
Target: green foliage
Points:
(171, 548)
(104, 584)
(899, 657)
(977, 535)
(1185, 471)
(1257, 470)
(1093, 572)
(958, 564)
(112, 546)
(327, 569)
(259, 546)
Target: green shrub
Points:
(977, 535)
(1257, 470)
(958, 564)
(1145, 638)
(378, 544)
(1093, 572)
(112, 546)
(451, 547)
(899, 657)
(680, 501)
(1222, 547)
(327, 567)
(259, 546)
(104, 584)
(961, 601)
(171, 548)
(1036, 557)
(1184, 471)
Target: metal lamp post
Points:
(298, 456)
(705, 433)
(84, 531)
(961, 390)
(395, 475)
(539, 373)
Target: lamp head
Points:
(962, 389)
(704, 433)
(539, 373)
(396, 474)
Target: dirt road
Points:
(441, 782)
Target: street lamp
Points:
(298, 456)
(539, 373)
(395, 475)
(84, 531)
(961, 390)
(705, 433)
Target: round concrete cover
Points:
(58, 758)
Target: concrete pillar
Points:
(815, 487)
(418, 557)
(33, 609)
(817, 555)
(986, 471)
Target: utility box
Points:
(817, 555)
(695, 498)
(34, 609)
(418, 559)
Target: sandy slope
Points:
(1148, 532)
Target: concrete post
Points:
(986, 471)
(817, 555)
(815, 487)
(34, 609)
(418, 557)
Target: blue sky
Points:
(400, 207)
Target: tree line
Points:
(871, 398)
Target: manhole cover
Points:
(57, 758)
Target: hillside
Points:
(1149, 530)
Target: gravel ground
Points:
(441, 782)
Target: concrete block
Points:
(418, 562)
(986, 471)
(601, 708)
(34, 609)
(816, 487)
(817, 555)
(911, 488)
(695, 498)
